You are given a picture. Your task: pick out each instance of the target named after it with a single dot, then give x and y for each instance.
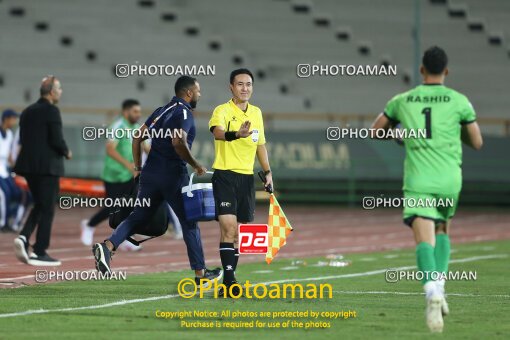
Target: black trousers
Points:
(113, 190)
(44, 189)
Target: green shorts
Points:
(437, 207)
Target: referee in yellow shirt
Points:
(238, 130)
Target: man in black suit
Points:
(41, 162)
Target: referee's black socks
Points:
(228, 261)
(236, 259)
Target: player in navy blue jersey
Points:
(163, 175)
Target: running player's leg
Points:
(442, 255)
(446, 213)
(442, 248)
(112, 190)
(424, 236)
(422, 220)
(190, 232)
(175, 223)
(149, 188)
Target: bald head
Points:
(51, 89)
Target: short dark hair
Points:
(129, 103)
(183, 83)
(47, 85)
(435, 60)
(239, 71)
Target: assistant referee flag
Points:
(279, 229)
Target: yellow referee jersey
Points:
(237, 155)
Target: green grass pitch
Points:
(479, 309)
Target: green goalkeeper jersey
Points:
(433, 163)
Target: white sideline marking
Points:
(380, 271)
(367, 259)
(112, 304)
(410, 293)
(126, 268)
(16, 278)
(163, 297)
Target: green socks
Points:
(442, 252)
(431, 259)
(426, 260)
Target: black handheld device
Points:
(262, 176)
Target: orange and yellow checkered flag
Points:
(279, 229)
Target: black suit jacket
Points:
(43, 147)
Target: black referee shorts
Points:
(234, 194)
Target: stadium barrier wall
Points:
(308, 167)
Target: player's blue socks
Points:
(425, 260)
(442, 252)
